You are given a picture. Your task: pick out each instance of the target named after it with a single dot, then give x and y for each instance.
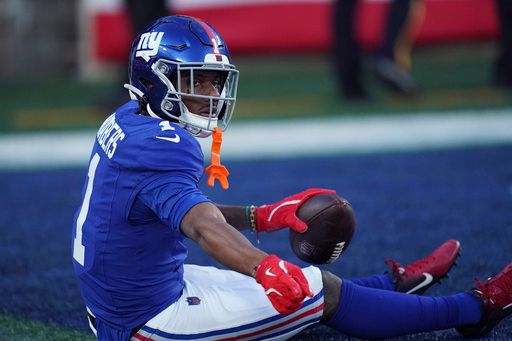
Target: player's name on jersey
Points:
(109, 135)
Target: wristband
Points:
(249, 215)
(252, 220)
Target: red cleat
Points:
(496, 297)
(416, 277)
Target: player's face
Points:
(206, 83)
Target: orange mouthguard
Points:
(216, 170)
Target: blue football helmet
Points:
(173, 49)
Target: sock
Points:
(375, 313)
(376, 281)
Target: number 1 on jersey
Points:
(78, 247)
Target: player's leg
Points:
(221, 304)
(385, 66)
(418, 276)
(373, 313)
(395, 24)
(348, 59)
(503, 62)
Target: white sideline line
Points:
(290, 138)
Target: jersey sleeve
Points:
(171, 197)
(156, 146)
(166, 156)
(164, 163)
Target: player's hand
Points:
(284, 212)
(284, 283)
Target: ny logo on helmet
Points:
(148, 45)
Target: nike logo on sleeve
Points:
(175, 139)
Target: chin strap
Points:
(216, 170)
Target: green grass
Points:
(451, 78)
(13, 328)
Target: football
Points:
(331, 225)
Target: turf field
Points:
(407, 202)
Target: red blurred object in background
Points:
(305, 26)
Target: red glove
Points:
(284, 213)
(284, 283)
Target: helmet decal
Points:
(148, 45)
(213, 39)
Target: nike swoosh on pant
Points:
(428, 279)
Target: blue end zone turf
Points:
(406, 204)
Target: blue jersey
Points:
(128, 249)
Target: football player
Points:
(141, 200)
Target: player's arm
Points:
(271, 217)
(205, 224)
(284, 283)
(236, 216)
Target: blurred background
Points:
(63, 62)
(421, 143)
